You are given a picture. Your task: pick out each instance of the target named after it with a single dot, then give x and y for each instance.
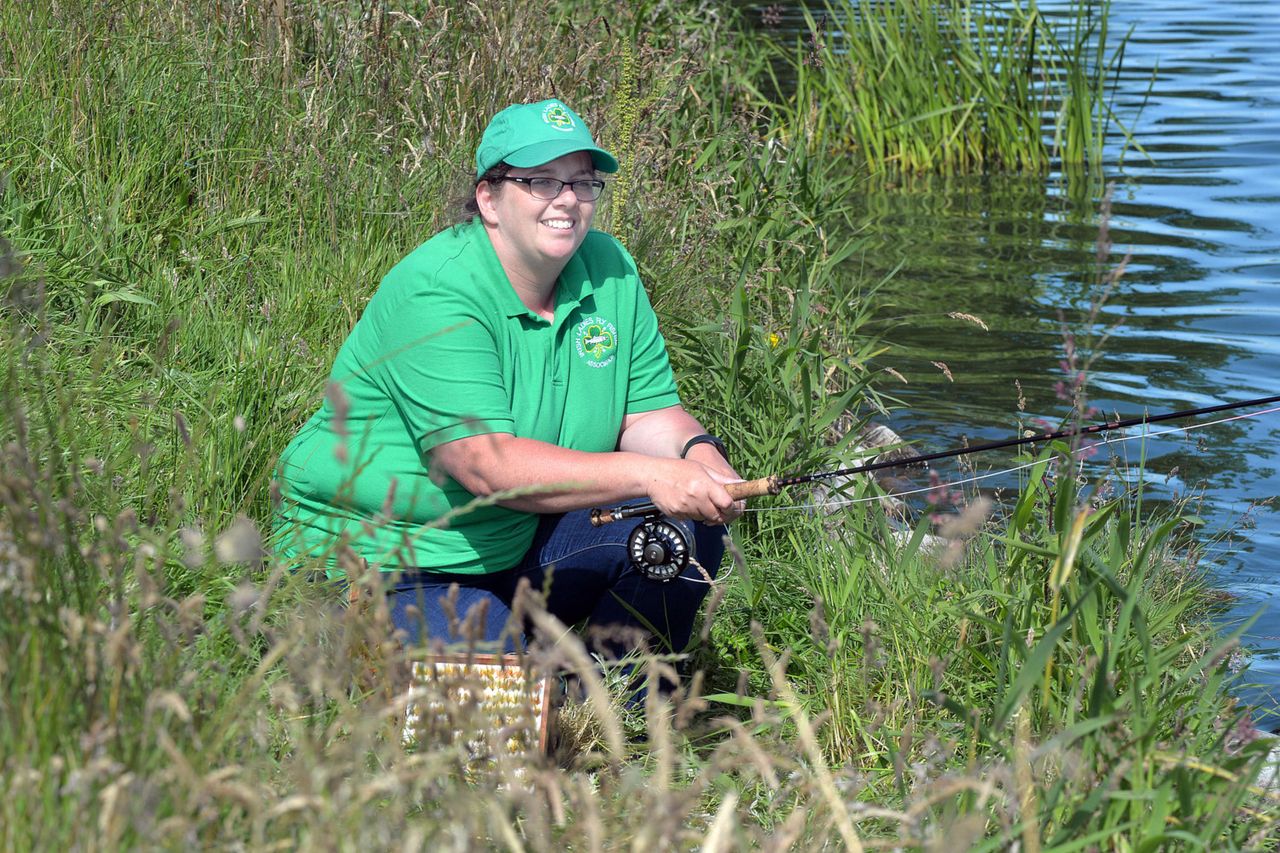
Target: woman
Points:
(507, 375)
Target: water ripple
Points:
(1194, 321)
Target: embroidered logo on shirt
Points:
(558, 117)
(597, 341)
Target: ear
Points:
(486, 200)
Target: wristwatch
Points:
(705, 438)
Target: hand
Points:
(685, 488)
(721, 471)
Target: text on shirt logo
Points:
(596, 340)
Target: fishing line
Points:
(774, 483)
(1013, 470)
(718, 579)
(849, 501)
(661, 551)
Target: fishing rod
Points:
(660, 550)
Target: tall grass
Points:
(958, 86)
(199, 201)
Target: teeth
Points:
(563, 224)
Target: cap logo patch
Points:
(558, 117)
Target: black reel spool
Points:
(659, 550)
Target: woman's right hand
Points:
(685, 489)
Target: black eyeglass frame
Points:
(595, 184)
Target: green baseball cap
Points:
(527, 135)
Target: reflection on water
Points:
(1195, 320)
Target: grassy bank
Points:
(198, 200)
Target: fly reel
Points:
(659, 550)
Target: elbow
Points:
(477, 484)
(475, 479)
(472, 464)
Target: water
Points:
(1195, 319)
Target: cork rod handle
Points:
(753, 488)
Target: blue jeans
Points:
(586, 575)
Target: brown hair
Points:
(466, 202)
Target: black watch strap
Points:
(705, 438)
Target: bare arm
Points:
(663, 432)
(647, 465)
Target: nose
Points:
(567, 188)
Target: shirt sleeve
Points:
(651, 384)
(438, 362)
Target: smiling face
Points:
(534, 238)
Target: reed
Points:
(198, 201)
(952, 87)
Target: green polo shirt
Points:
(446, 350)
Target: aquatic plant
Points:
(959, 86)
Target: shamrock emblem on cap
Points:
(557, 115)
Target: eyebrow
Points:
(545, 172)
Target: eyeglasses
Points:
(549, 188)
